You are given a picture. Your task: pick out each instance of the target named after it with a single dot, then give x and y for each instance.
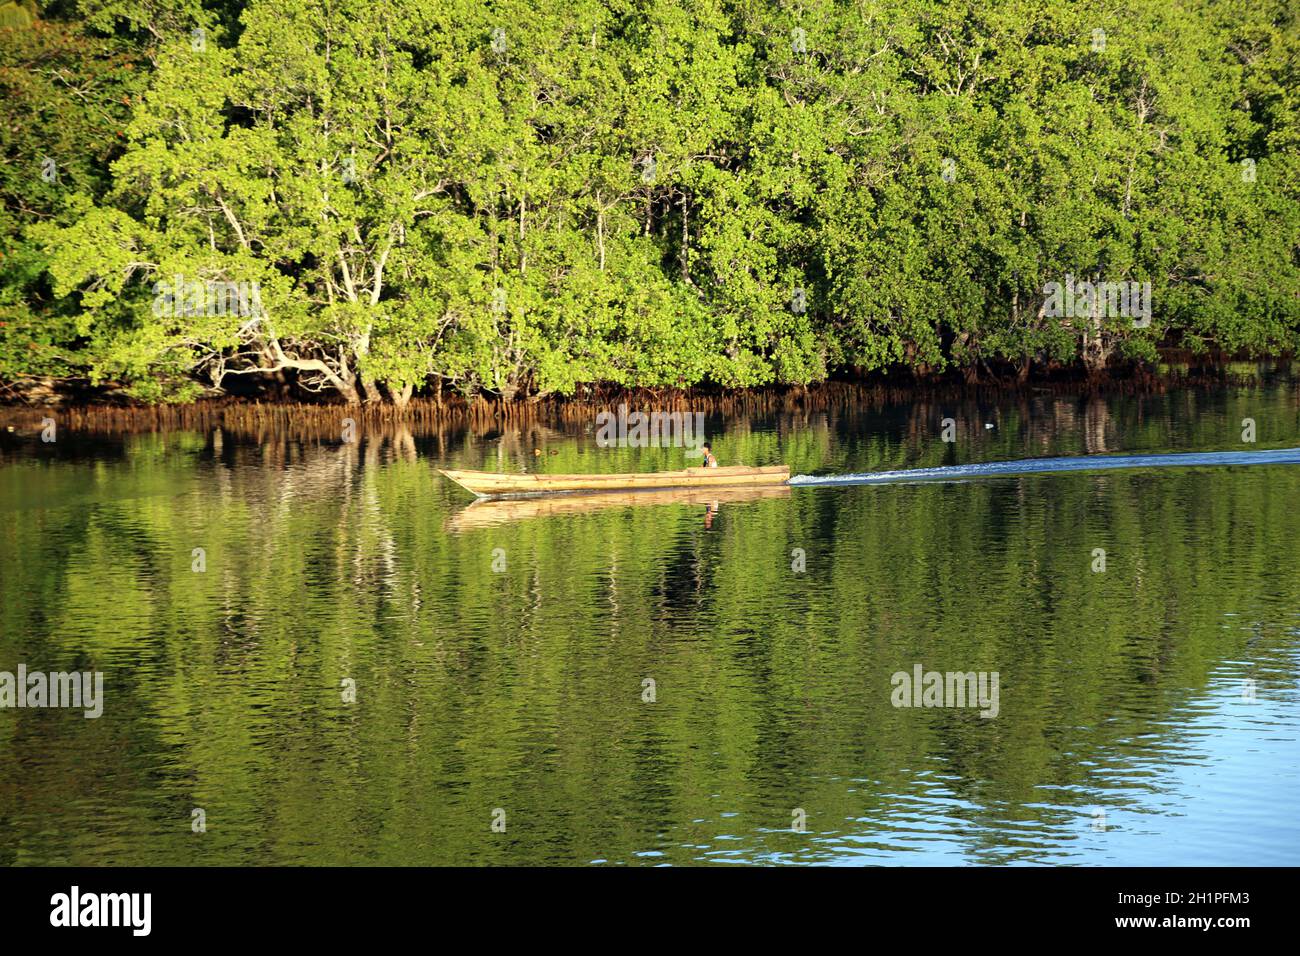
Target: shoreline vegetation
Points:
(486, 415)
(374, 204)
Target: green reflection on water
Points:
(522, 689)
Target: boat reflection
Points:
(487, 513)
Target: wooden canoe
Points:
(491, 512)
(487, 484)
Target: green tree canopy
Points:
(525, 197)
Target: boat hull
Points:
(487, 484)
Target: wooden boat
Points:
(492, 512)
(487, 484)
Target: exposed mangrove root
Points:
(485, 416)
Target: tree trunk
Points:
(401, 396)
(1096, 351)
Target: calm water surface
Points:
(1148, 713)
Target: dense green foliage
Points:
(519, 198)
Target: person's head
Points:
(708, 449)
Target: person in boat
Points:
(709, 460)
